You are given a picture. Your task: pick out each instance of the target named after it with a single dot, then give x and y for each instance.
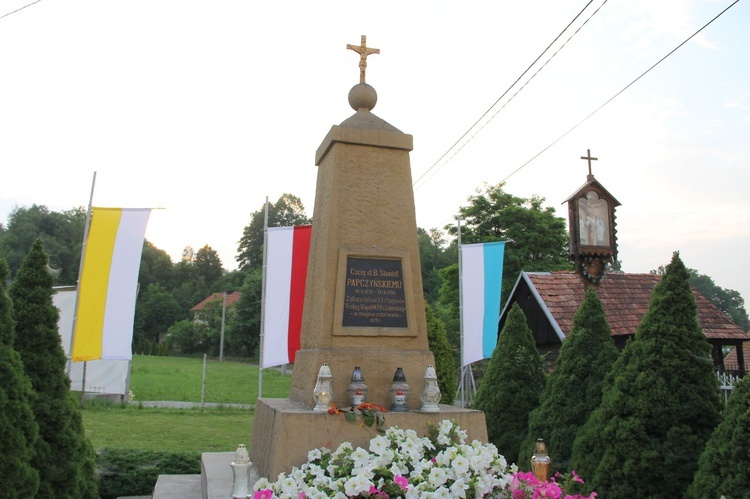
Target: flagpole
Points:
(462, 384)
(263, 301)
(78, 291)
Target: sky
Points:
(206, 108)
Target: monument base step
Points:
(283, 432)
(214, 482)
(177, 487)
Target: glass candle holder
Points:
(323, 391)
(399, 392)
(431, 394)
(357, 388)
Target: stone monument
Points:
(364, 305)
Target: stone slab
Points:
(283, 432)
(216, 475)
(178, 487)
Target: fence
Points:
(726, 383)
(239, 382)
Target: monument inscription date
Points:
(374, 293)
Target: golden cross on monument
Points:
(363, 50)
(589, 158)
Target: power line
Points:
(618, 93)
(505, 93)
(20, 8)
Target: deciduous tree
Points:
(243, 330)
(660, 402)
(536, 239)
(288, 210)
(61, 232)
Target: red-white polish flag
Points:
(287, 253)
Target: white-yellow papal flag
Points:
(108, 286)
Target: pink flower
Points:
(301, 495)
(576, 478)
(547, 489)
(401, 481)
(263, 494)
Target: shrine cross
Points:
(363, 50)
(589, 158)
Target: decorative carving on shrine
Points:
(591, 217)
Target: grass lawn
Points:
(179, 379)
(181, 430)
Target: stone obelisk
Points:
(364, 305)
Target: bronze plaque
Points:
(374, 293)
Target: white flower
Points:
(459, 488)
(442, 493)
(316, 494)
(460, 465)
(438, 476)
(288, 486)
(314, 454)
(360, 457)
(379, 444)
(446, 426)
(357, 485)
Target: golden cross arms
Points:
(363, 50)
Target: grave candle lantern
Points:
(323, 391)
(431, 393)
(357, 388)
(240, 473)
(399, 392)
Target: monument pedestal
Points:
(378, 367)
(284, 432)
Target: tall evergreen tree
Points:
(660, 402)
(724, 464)
(18, 429)
(445, 366)
(574, 388)
(64, 457)
(511, 386)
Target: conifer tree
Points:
(511, 386)
(574, 388)
(660, 402)
(444, 362)
(724, 464)
(64, 457)
(18, 429)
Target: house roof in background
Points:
(231, 299)
(731, 362)
(625, 298)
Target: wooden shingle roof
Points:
(625, 298)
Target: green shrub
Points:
(511, 386)
(660, 402)
(18, 428)
(444, 362)
(574, 388)
(723, 466)
(64, 456)
(133, 472)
